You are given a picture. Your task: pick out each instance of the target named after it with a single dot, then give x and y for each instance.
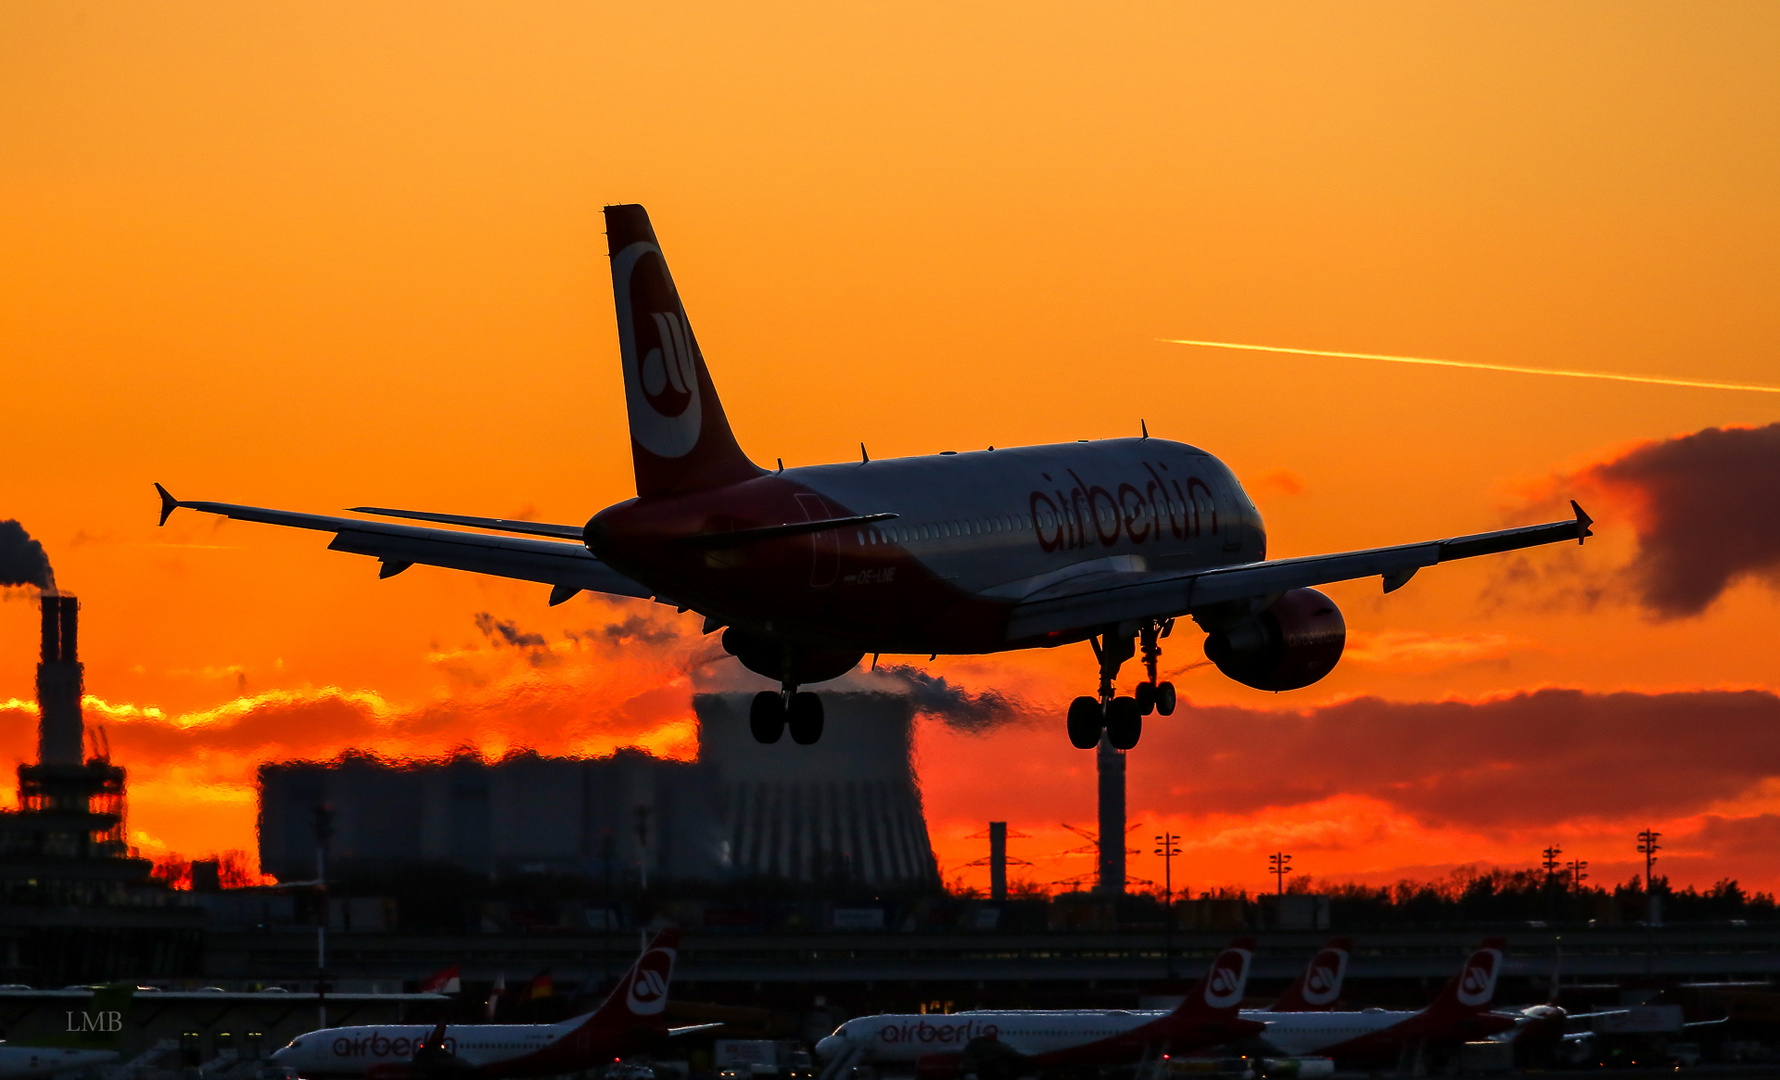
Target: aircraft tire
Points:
(766, 717)
(1084, 723)
(1124, 723)
(1146, 698)
(804, 717)
(1165, 699)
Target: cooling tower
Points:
(846, 809)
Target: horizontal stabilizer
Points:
(737, 537)
(552, 562)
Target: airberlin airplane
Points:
(807, 570)
(629, 1021)
(1012, 1042)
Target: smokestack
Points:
(61, 733)
(1112, 819)
(998, 860)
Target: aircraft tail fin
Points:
(1218, 994)
(1474, 987)
(641, 996)
(1318, 988)
(679, 437)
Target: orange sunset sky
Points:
(316, 255)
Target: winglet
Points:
(168, 503)
(1583, 521)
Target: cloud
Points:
(1709, 514)
(976, 712)
(1706, 516)
(1509, 762)
(22, 559)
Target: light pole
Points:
(1279, 865)
(324, 829)
(1647, 847)
(1168, 846)
(1578, 872)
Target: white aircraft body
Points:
(627, 1022)
(808, 570)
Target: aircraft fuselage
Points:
(928, 580)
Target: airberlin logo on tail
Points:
(1324, 980)
(660, 354)
(1223, 986)
(1478, 982)
(649, 987)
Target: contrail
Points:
(1654, 380)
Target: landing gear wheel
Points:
(1165, 699)
(1084, 723)
(766, 716)
(1146, 698)
(804, 717)
(1124, 723)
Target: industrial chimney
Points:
(61, 734)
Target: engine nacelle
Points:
(787, 663)
(1290, 645)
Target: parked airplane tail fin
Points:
(1219, 992)
(1474, 987)
(679, 438)
(641, 996)
(1318, 988)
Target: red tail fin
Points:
(679, 438)
(642, 994)
(1319, 987)
(1472, 989)
(1219, 993)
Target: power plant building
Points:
(846, 810)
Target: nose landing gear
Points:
(772, 711)
(1121, 718)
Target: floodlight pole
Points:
(1168, 846)
(1647, 847)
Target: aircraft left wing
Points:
(1113, 596)
(568, 567)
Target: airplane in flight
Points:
(627, 1022)
(1318, 988)
(1015, 1042)
(807, 570)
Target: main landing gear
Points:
(1121, 718)
(775, 710)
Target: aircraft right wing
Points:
(1112, 596)
(568, 567)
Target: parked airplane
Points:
(1319, 987)
(1459, 1014)
(627, 1022)
(89, 1039)
(806, 570)
(1011, 1042)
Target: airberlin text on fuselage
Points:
(1064, 516)
(380, 1045)
(923, 1032)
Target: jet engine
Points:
(1290, 645)
(785, 662)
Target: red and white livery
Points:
(629, 1021)
(808, 570)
